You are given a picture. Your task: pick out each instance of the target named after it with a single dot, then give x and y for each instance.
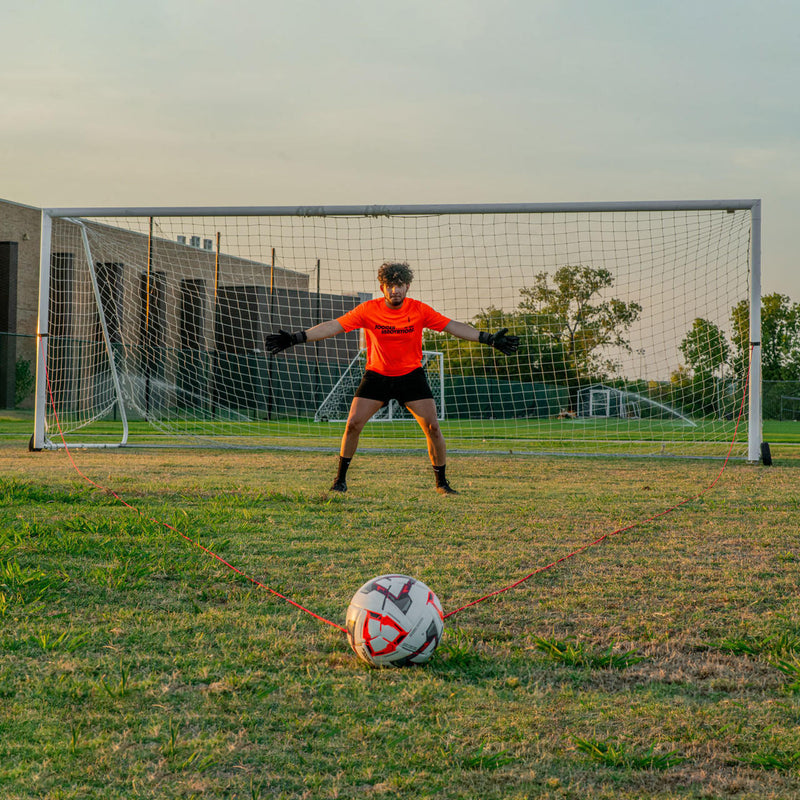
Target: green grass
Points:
(575, 655)
(708, 438)
(661, 663)
(613, 754)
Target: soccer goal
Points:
(152, 324)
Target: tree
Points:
(780, 337)
(680, 378)
(561, 329)
(569, 322)
(470, 358)
(705, 347)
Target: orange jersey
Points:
(394, 336)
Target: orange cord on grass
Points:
(180, 533)
(624, 528)
(481, 599)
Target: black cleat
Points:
(446, 488)
(339, 485)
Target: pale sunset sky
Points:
(312, 102)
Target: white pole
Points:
(754, 433)
(382, 211)
(106, 338)
(39, 424)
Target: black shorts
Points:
(403, 388)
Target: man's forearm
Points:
(324, 330)
(462, 330)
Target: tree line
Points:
(706, 348)
(565, 328)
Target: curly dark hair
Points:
(395, 273)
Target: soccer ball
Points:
(394, 620)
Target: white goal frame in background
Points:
(335, 406)
(119, 384)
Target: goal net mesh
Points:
(629, 341)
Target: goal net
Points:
(153, 324)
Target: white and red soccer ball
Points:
(394, 620)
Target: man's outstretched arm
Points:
(504, 343)
(462, 330)
(283, 339)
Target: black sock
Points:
(440, 478)
(344, 463)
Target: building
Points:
(20, 227)
(180, 313)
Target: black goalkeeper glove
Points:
(282, 339)
(505, 344)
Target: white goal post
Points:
(152, 323)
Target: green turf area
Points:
(662, 663)
(626, 437)
(786, 432)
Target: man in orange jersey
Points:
(393, 325)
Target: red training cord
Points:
(175, 530)
(623, 529)
(451, 613)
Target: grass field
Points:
(662, 663)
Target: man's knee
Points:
(353, 427)
(431, 428)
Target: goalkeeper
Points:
(393, 325)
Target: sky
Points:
(313, 102)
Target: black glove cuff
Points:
(299, 337)
(484, 338)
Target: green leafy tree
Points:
(706, 350)
(679, 381)
(780, 337)
(562, 327)
(571, 324)
(471, 358)
(705, 347)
